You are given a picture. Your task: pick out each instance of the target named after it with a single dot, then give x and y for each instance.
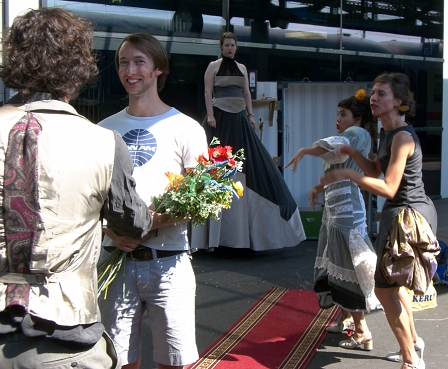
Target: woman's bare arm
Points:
(402, 148)
(209, 80)
(314, 151)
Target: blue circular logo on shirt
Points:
(142, 146)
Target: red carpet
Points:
(282, 330)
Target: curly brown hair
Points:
(48, 50)
(360, 108)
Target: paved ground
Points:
(230, 281)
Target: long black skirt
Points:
(266, 216)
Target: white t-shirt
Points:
(170, 142)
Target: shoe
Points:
(365, 342)
(419, 347)
(420, 365)
(341, 327)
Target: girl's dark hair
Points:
(149, 45)
(399, 84)
(360, 108)
(48, 50)
(227, 35)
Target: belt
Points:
(143, 253)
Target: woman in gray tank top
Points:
(400, 160)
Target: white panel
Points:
(309, 113)
(9, 10)
(16, 8)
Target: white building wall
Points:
(309, 114)
(14, 8)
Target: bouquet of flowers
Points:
(198, 195)
(205, 190)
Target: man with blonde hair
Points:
(158, 277)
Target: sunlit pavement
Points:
(229, 281)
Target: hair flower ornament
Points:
(360, 94)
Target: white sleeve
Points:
(332, 144)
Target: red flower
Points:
(349, 333)
(231, 162)
(220, 153)
(229, 151)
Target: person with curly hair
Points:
(59, 66)
(345, 262)
(59, 175)
(400, 161)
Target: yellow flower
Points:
(239, 188)
(174, 179)
(360, 94)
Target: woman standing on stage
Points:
(266, 217)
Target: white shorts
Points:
(166, 289)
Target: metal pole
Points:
(225, 13)
(340, 42)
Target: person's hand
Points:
(313, 196)
(125, 244)
(333, 176)
(160, 220)
(252, 122)
(211, 121)
(295, 160)
(345, 150)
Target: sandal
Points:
(366, 343)
(420, 365)
(419, 347)
(341, 327)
